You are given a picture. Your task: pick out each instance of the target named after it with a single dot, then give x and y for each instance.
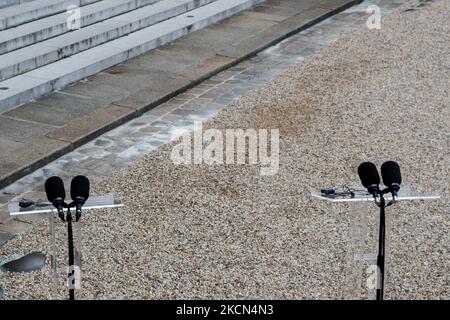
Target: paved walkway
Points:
(201, 231)
(128, 143)
(36, 133)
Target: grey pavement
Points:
(118, 148)
(37, 133)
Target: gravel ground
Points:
(228, 232)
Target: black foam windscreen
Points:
(54, 188)
(79, 188)
(390, 171)
(368, 174)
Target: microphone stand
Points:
(72, 270)
(381, 247)
(382, 240)
(71, 253)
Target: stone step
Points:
(23, 88)
(48, 51)
(52, 26)
(27, 11)
(8, 3)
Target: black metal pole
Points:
(381, 248)
(71, 254)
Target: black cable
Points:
(344, 192)
(26, 203)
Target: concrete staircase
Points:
(39, 52)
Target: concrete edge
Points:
(39, 162)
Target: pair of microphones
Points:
(370, 179)
(56, 194)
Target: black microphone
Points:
(54, 188)
(79, 192)
(392, 178)
(370, 178)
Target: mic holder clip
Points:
(73, 204)
(61, 213)
(394, 196)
